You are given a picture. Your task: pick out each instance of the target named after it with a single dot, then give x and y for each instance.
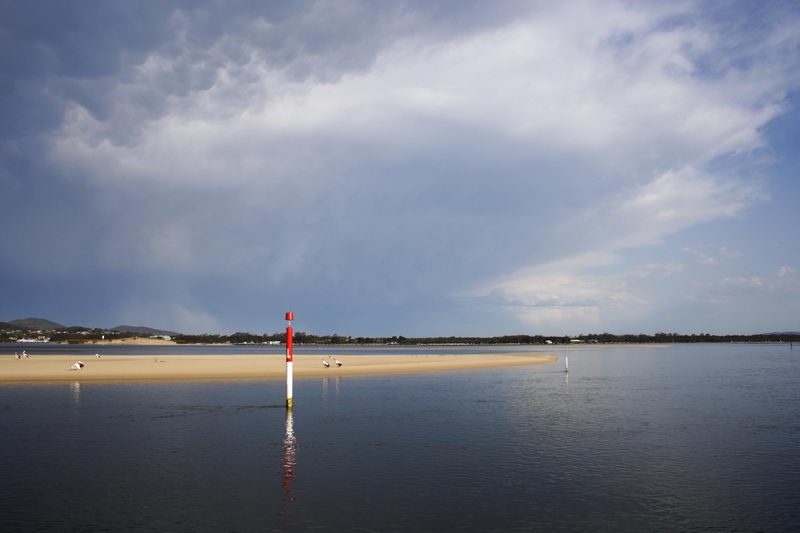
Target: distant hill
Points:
(783, 333)
(142, 330)
(4, 326)
(36, 323)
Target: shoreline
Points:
(127, 368)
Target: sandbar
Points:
(56, 368)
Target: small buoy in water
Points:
(566, 364)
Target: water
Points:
(36, 349)
(686, 438)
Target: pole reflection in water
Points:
(289, 461)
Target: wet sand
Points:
(55, 368)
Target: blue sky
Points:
(402, 168)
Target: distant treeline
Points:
(301, 337)
(80, 334)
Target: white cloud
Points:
(726, 252)
(607, 81)
(702, 257)
(545, 295)
(710, 255)
(651, 212)
(553, 320)
(657, 269)
(785, 279)
(679, 199)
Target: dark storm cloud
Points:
(90, 55)
(47, 46)
(54, 53)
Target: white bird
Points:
(325, 363)
(77, 366)
(16, 355)
(97, 355)
(338, 363)
(24, 354)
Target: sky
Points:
(413, 168)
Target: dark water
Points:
(687, 438)
(37, 349)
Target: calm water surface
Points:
(37, 349)
(685, 438)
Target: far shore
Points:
(125, 340)
(56, 368)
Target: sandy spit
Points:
(56, 368)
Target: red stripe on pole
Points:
(289, 344)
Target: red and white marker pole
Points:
(289, 361)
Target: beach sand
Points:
(55, 368)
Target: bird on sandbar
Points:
(325, 363)
(338, 363)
